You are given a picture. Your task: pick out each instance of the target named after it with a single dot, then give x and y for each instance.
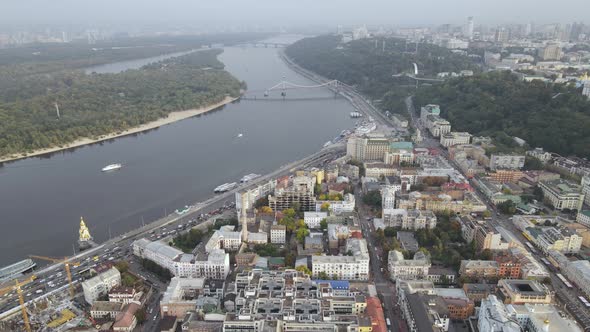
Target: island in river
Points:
(80, 108)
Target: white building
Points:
(540, 154)
(455, 138)
(409, 219)
(437, 125)
(586, 189)
(278, 234)
(355, 267)
(101, 284)
(338, 207)
(215, 265)
(506, 161)
(313, 219)
(579, 273)
(388, 195)
(408, 269)
(541, 318)
(493, 317)
(224, 238)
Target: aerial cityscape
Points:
(264, 166)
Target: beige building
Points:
(479, 268)
(278, 234)
(455, 138)
(562, 194)
(519, 291)
(408, 269)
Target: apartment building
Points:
(355, 267)
(506, 161)
(409, 219)
(224, 238)
(521, 291)
(214, 265)
(180, 296)
(313, 219)
(400, 268)
(454, 138)
(479, 268)
(101, 284)
(562, 194)
(278, 234)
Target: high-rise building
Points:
(469, 28)
(550, 52)
(502, 35)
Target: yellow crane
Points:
(21, 300)
(66, 262)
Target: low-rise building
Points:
(278, 234)
(455, 138)
(425, 313)
(493, 317)
(479, 268)
(409, 219)
(520, 291)
(105, 309)
(179, 298)
(562, 194)
(355, 267)
(400, 268)
(583, 217)
(506, 161)
(313, 219)
(478, 292)
(579, 273)
(542, 317)
(126, 320)
(101, 284)
(224, 238)
(214, 265)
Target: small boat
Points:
(240, 135)
(225, 187)
(249, 177)
(111, 167)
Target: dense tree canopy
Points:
(501, 105)
(368, 64)
(99, 104)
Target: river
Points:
(42, 199)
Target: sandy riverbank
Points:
(172, 117)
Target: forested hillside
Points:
(369, 65)
(99, 104)
(553, 116)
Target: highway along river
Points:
(42, 199)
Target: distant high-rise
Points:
(469, 28)
(502, 35)
(576, 30)
(528, 29)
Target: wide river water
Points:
(42, 199)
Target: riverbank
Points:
(171, 118)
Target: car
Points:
(155, 317)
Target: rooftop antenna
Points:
(57, 110)
(383, 46)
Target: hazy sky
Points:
(292, 12)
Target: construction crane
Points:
(66, 262)
(21, 300)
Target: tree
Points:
(335, 276)
(532, 163)
(122, 266)
(324, 224)
(486, 214)
(140, 315)
(303, 269)
(265, 210)
(262, 201)
(301, 233)
(323, 276)
(325, 207)
(390, 232)
(373, 199)
(507, 207)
